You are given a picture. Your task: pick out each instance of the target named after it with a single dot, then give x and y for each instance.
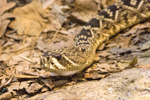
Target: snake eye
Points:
(58, 57)
(52, 63)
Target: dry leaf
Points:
(59, 39)
(29, 19)
(47, 3)
(56, 18)
(59, 13)
(127, 63)
(124, 42)
(33, 87)
(4, 6)
(84, 11)
(145, 54)
(4, 21)
(8, 95)
(29, 86)
(48, 82)
(137, 27)
(54, 24)
(145, 46)
(60, 83)
(133, 62)
(103, 53)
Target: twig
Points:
(26, 58)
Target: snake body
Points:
(121, 15)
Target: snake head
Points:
(50, 61)
(57, 64)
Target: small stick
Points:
(27, 59)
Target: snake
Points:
(70, 60)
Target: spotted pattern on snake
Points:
(107, 23)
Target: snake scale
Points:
(107, 23)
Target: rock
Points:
(131, 84)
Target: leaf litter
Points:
(4, 16)
(28, 30)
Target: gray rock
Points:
(131, 84)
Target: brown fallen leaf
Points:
(52, 46)
(98, 71)
(145, 46)
(29, 19)
(145, 54)
(4, 17)
(29, 86)
(137, 27)
(103, 53)
(15, 86)
(124, 42)
(102, 70)
(4, 6)
(33, 87)
(59, 13)
(8, 95)
(117, 50)
(5, 82)
(58, 39)
(54, 23)
(84, 11)
(48, 82)
(60, 83)
(133, 62)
